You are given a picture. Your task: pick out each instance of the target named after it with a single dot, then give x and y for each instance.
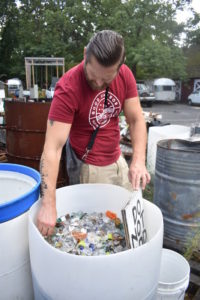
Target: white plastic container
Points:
(19, 189)
(132, 274)
(158, 133)
(174, 276)
(15, 272)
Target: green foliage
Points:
(148, 192)
(193, 245)
(193, 30)
(159, 60)
(62, 28)
(8, 35)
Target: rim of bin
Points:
(19, 205)
(166, 144)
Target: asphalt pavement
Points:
(176, 113)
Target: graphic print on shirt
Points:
(100, 116)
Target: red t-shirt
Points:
(76, 103)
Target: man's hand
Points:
(46, 219)
(138, 175)
(56, 136)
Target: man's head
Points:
(103, 57)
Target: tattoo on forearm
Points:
(43, 186)
(51, 122)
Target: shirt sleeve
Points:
(131, 87)
(64, 104)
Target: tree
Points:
(8, 35)
(192, 46)
(63, 28)
(151, 36)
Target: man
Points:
(78, 108)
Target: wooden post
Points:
(63, 66)
(46, 76)
(57, 69)
(33, 75)
(26, 69)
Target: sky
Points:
(182, 16)
(196, 5)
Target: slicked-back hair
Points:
(107, 47)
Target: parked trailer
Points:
(164, 89)
(14, 86)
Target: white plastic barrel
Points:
(174, 276)
(19, 189)
(132, 274)
(158, 133)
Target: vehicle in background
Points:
(14, 87)
(50, 93)
(194, 98)
(145, 95)
(164, 89)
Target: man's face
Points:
(98, 76)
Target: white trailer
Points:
(14, 86)
(164, 89)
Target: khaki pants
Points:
(116, 173)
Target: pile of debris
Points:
(3, 157)
(151, 119)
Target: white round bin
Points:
(159, 133)
(19, 189)
(174, 276)
(128, 275)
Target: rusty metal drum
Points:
(25, 134)
(177, 190)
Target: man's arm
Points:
(137, 172)
(56, 136)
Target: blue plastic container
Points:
(19, 189)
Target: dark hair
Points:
(107, 46)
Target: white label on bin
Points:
(133, 219)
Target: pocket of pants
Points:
(84, 173)
(123, 171)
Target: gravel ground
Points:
(176, 113)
